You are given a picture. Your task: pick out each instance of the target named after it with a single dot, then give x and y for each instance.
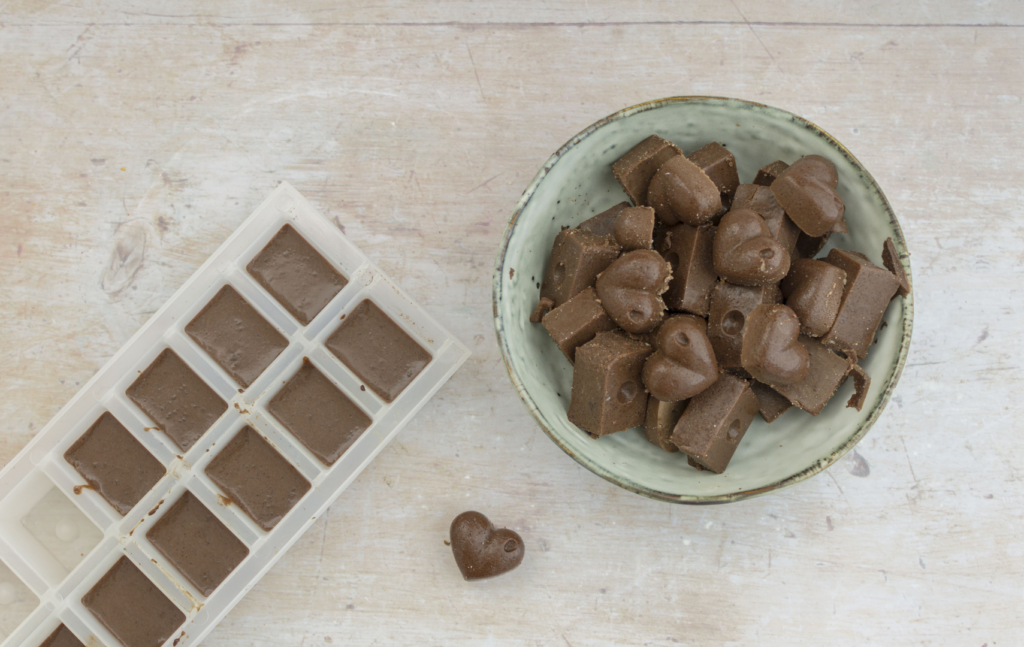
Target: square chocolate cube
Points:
(577, 321)
(768, 173)
(130, 606)
(814, 290)
(688, 250)
(577, 257)
(720, 165)
(635, 169)
(826, 374)
(236, 336)
(297, 275)
(181, 404)
(319, 415)
(715, 421)
(868, 290)
(607, 389)
(771, 403)
(114, 463)
(377, 350)
(603, 224)
(257, 478)
(196, 543)
(730, 305)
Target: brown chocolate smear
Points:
(807, 191)
(236, 336)
(130, 606)
(634, 228)
(768, 173)
(630, 290)
(62, 637)
(377, 350)
(603, 224)
(771, 352)
(480, 550)
(635, 169)
(297, 275)
(684, 363)
(577, 257)
(718, 164)
(319, 415)
(181, 404)
(761, 200)
(730, 306)
(715, 421)
(257, 478)
(114, 463)
(866, 296)
(577, 321)
(771, 403)
(544, 306)
(607, 387)
(744, 251)
(661, 421)
(814, 290)
(196, 543)
(688, 251)
(681, 192)
(827, 372)
(892, 262)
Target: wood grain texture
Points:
(135, 137)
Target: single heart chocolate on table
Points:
(771, 350)
(681, 192)
(480, 550)
(684, 364)
(807, 191)
(744, 251)
(630, 290)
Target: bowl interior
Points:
(577, 183)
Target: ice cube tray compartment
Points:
(55, 545)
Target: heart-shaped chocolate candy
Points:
(630, 290)
(807, 191)
(681, 191)
(684, 364)
(744, 251)
(480, 550)
(771, 352)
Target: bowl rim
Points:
(822, 463)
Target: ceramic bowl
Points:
(576, 183)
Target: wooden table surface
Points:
(135, 138)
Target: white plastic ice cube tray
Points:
(55, 544)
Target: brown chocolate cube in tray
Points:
(635, 169)
(62, 637)
(577, 257)
(607, 389)
(715, 422)
(132, 608)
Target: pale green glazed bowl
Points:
(576, 183)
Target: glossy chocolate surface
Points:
(635, 169)
(814, 290)
(762, 201)
(807, 191)
(683, 363)
(681, 192)
(745, 252)
(771, 352)
(481, 550)
(630, 290)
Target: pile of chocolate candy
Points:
(700, 305)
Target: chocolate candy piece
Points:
(868, 290)
(744, 251)
(715, 421)
(892, 262)
(767, 174)
(689, 251)
(607, 390)
(114, 463)
(576, 321)
(809, 246)
(577, 257)
(634, 228)
(132, 608)
(730, 305)
(635, 169)
(807, 191)
(719, 165)
(762, 200)
(771, 352)
(196, 543)
(661, 421)
(684, 363)
(861, 384)
(62, 637)
(826, 373)
(544, 306)
(603, 224)
(814, 290)
(176, 399)
(630, 290)
(480, 550)
(681, 192)
(771, 403)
